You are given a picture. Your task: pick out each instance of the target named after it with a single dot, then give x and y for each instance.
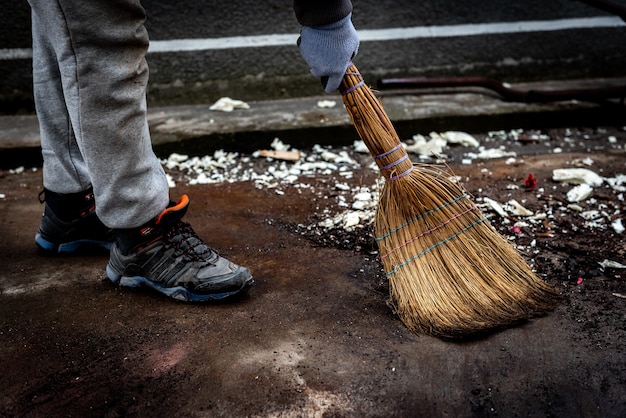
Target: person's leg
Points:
(100, 47)
(64, 170)
(69, 222)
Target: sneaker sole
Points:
(178, 292)
(49, 247)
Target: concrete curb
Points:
(302, 122)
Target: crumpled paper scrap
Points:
(226, 104)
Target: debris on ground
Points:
(306, 227)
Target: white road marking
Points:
(366, 35)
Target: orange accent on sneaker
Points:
(182, 202)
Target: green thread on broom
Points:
(432, 247)
(430, 231)
(417, 218)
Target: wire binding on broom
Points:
(399, 176)
(386, 153)
(450, 273)
(352, 88)
(395, 163)
(389, 166)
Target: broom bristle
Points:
(451, 273)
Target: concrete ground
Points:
(314, 337)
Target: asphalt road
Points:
(512, 41)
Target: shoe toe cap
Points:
(223, 276)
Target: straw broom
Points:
(451, 273)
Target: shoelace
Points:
(186, 243)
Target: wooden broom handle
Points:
(374, 126)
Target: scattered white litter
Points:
(617, 226)
(495, 206)
(363, 196)
(278, 145)
(226, 104)
(612, 264)
(427, 147)
(435, 143)
(351, 219)
(357, 205)
(342, 186)
(516, 208)
(577, 176)
(327, 104)
(539, 217)
(363, 200)
(225, 167)
(497, 134)
(178, 158)
(487, 154)
(591, 215)
(618, 182)
(461, 138)
(2, 196)
(360, 147)
(18, 170)
(332, 157)
(579, 193)
(170, 181)
(587, 161)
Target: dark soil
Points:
(315, 336)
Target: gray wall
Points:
(274, 72)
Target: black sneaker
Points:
(168, 256)
(84, 232)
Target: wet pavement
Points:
(314, 337)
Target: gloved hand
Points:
(329, 50)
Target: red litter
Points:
(530, 182)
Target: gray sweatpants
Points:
(90, 77)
